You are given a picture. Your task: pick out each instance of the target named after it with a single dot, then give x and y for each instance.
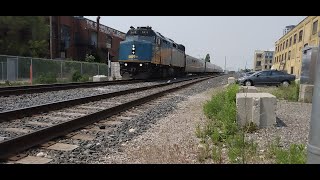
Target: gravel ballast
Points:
(113, 141)
(164, 132)
(27, 100)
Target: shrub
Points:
(48, 78)
(290, 93)
(76, 76)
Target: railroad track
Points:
(17, 90)
(75, 115)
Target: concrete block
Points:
(115, 70)
(248, 89)
(306, 93)
(259, 108)
(231, 80)
(99, 78)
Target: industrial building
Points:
(72, 37)
(288, 49)
(262, 60)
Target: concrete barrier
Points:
(115, 70)
(306, 93)
(231, 80)
(258, 108)
(248, 89)
(99, 78)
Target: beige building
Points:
(262, 60)
(288, 49)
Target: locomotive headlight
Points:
(140, 64)
(125, 64)
(133, 49)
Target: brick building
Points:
(75, 36)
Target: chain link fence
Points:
(17, 68)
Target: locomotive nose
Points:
(135, 51)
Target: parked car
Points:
(267, 77)
(249, 73)
(245, 74)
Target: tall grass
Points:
(222, 128)
(295, 154)
(290, 93)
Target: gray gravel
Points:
(27, 100)
(293, 122)
(24, 123)
(111, 141)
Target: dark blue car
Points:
(268, 77)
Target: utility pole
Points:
(50, 17)
(225, 63)
(314, 133)
(98, 29)
(245, 67)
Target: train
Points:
(146, 53)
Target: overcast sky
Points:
(235, 37)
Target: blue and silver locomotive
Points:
(146, 53)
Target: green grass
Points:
(296, 154)
(222, 128)
(240, 150)
(15, 83)
(290, 93)
(221, 109)
(48, 78)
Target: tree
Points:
(207, 59)
(24, 36)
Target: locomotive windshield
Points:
(141, 34)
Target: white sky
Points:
(235, 37)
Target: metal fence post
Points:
(17, 68)
(98, 69)
(31, 73)
(81, 67)
(314, 133)
(2, 76)
(61, 69)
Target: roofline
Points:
(293, 28)
(104, 25)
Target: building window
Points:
(290, 41)
(276, 48)
(315, 27)
(285, 56)
(300, 35)
(76, 38)
(283, 45)
(289, 53)
(270, 67)
(286, 43)
(294, 38)
(271, 61)
(282, 57)
(291, 70)
(265, 67)
(93, 39)
(109, 42)
(258, 63)
(65, 37)
(305, 45)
